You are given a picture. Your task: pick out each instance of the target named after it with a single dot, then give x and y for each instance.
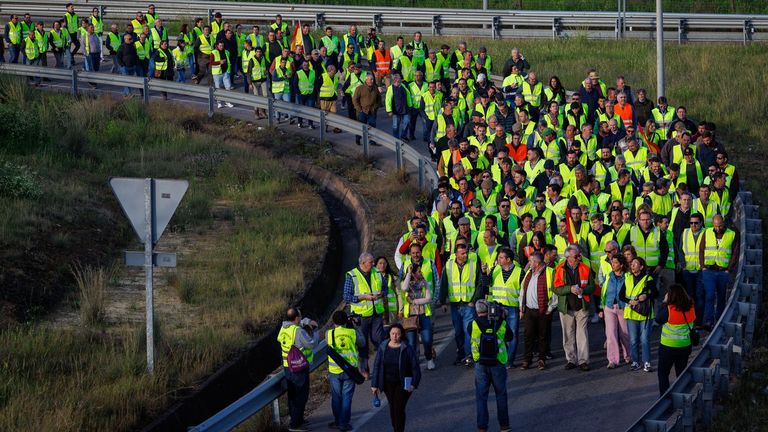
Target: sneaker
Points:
(229, 105)
(647, 367)
(430, 365)
(468, 362)
(611, 365)
(584, 367)
(525, 365)
(569, 366)
(541, 365)
(634, 366)
(218, 104)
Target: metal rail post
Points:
(270, 112)
(421, 173)
(145, 97)
(210, 101)
(366, 140)
(74, 82)
(323, 125)
(399, 154)
(659, 48)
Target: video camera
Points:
(353, 321)
(496, 312)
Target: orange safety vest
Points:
(382, 62)
(625, 114)
(583, 277)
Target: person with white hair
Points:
(364, 291)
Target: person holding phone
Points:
(396, 372)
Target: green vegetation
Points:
(243, 215)
(702, 6)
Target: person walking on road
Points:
(616, 333)
(489, 352)
(537, 304)
(574, 284)
(398, 105)
(675, 346)
(718, 256)
(397, 373)
(638, 295)
(417, 288)
(345, 340)
(364, 289)
(460, 287)
(366, 99)
(299, 332)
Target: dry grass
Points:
(92, 284)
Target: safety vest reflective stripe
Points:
(366, 308)
(157, 37)
(417, 91)
(137, 26)
(506, 292)
(663, 120)
(161, 61)
(217, 69)
(626, 198)
(647, 248)
(245, 59)
(432, 71)
(675, 335)
(691, 247)
(329, 85)
(14, 33)
(331, 45)
(633, 291)
(278, 86)
(306, 82)
(551, 150)
(114, 41)
(259, 72)
(344, 341)
(636, 161)
(31, 49)
(476, 335)
(718, 252)
(42, 41)
(58, 38)
(431, 103)
(383, 61)
(72, 22)
(98, 24)
(407, 68)
(708, 212)
(532, 94)
(206, 45)
(286, 337)
(180, 58)
(355, 81)
(461, 285)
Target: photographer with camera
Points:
(346, 340)
(489, 351)
(297, 338)
(364, 290)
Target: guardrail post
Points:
(320, 21)
(211, 102)
(556, 27)
(749, 28)
(102, 11)
(74, 82)
(399, 154)
(210, 15)
(682, 30)
(323, 125)
(270, 111)
(421, 173)
(276, 412)
(495, 27)
(146, 91)
(366, 140)
(436, 24)
(377, 22)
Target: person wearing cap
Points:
(575, 115)
(460, 287)
(398, 103)
(381, 58)
(552, 148)
(487, 197)
(478, 69)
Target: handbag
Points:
(411, 323)
(643, 308)
(693, 334)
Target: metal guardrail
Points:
(427, 175)
(682, 27)
(691, 397)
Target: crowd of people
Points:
(598, 206)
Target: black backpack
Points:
(489, 346)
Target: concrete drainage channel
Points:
(349, 234)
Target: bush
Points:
(18, 181)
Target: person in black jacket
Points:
(396, 371)
(128, 60)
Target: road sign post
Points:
(149, 205)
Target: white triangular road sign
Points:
(166, 196)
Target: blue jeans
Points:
(400, 123)
(695, 289)
(13, 53)
(308, 101)
(425, 326)
(416, 115)
(151, 71)
(639, 331)
(513, 324)
(181, 75)
(369, 119)
(284, 96)
(222, 80)
(342, 391)
(129, 71)
(485, 377)
(715, 284)
(461, 316)
(372, 328)
(93, 62)
(298, 395)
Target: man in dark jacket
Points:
(128, 60)
(643, 108)
(230, 44)
(518, 60)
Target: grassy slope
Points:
(711, 6)
(92, 378)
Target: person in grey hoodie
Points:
(299, 332)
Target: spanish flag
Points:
(571, 227)
(296, 39)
